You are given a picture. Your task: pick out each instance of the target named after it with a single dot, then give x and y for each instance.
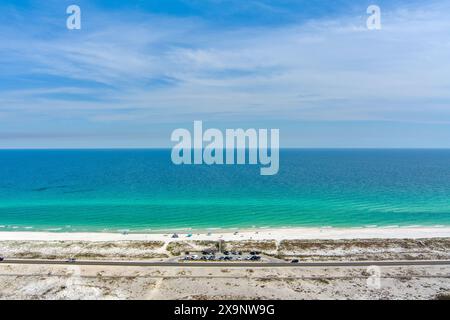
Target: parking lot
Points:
(223, 256)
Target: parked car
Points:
(1, 259)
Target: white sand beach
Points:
(235, 235)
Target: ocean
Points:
(142, 191)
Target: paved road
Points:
(230, 264)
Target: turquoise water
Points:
(141, 190)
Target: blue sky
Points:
(139, 69)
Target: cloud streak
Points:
(148, 69)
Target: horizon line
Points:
(281, 148)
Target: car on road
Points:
(254, 258)
(294, 261)
(193, 257)
(71, 260)
(1, 258)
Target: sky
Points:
(137, 70)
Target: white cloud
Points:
(321, 70)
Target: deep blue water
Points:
(96, 190)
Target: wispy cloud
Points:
(147, 68)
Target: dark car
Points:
(294, 261)
(1, 259)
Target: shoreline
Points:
(297, 233)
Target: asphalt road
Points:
(229, 264)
